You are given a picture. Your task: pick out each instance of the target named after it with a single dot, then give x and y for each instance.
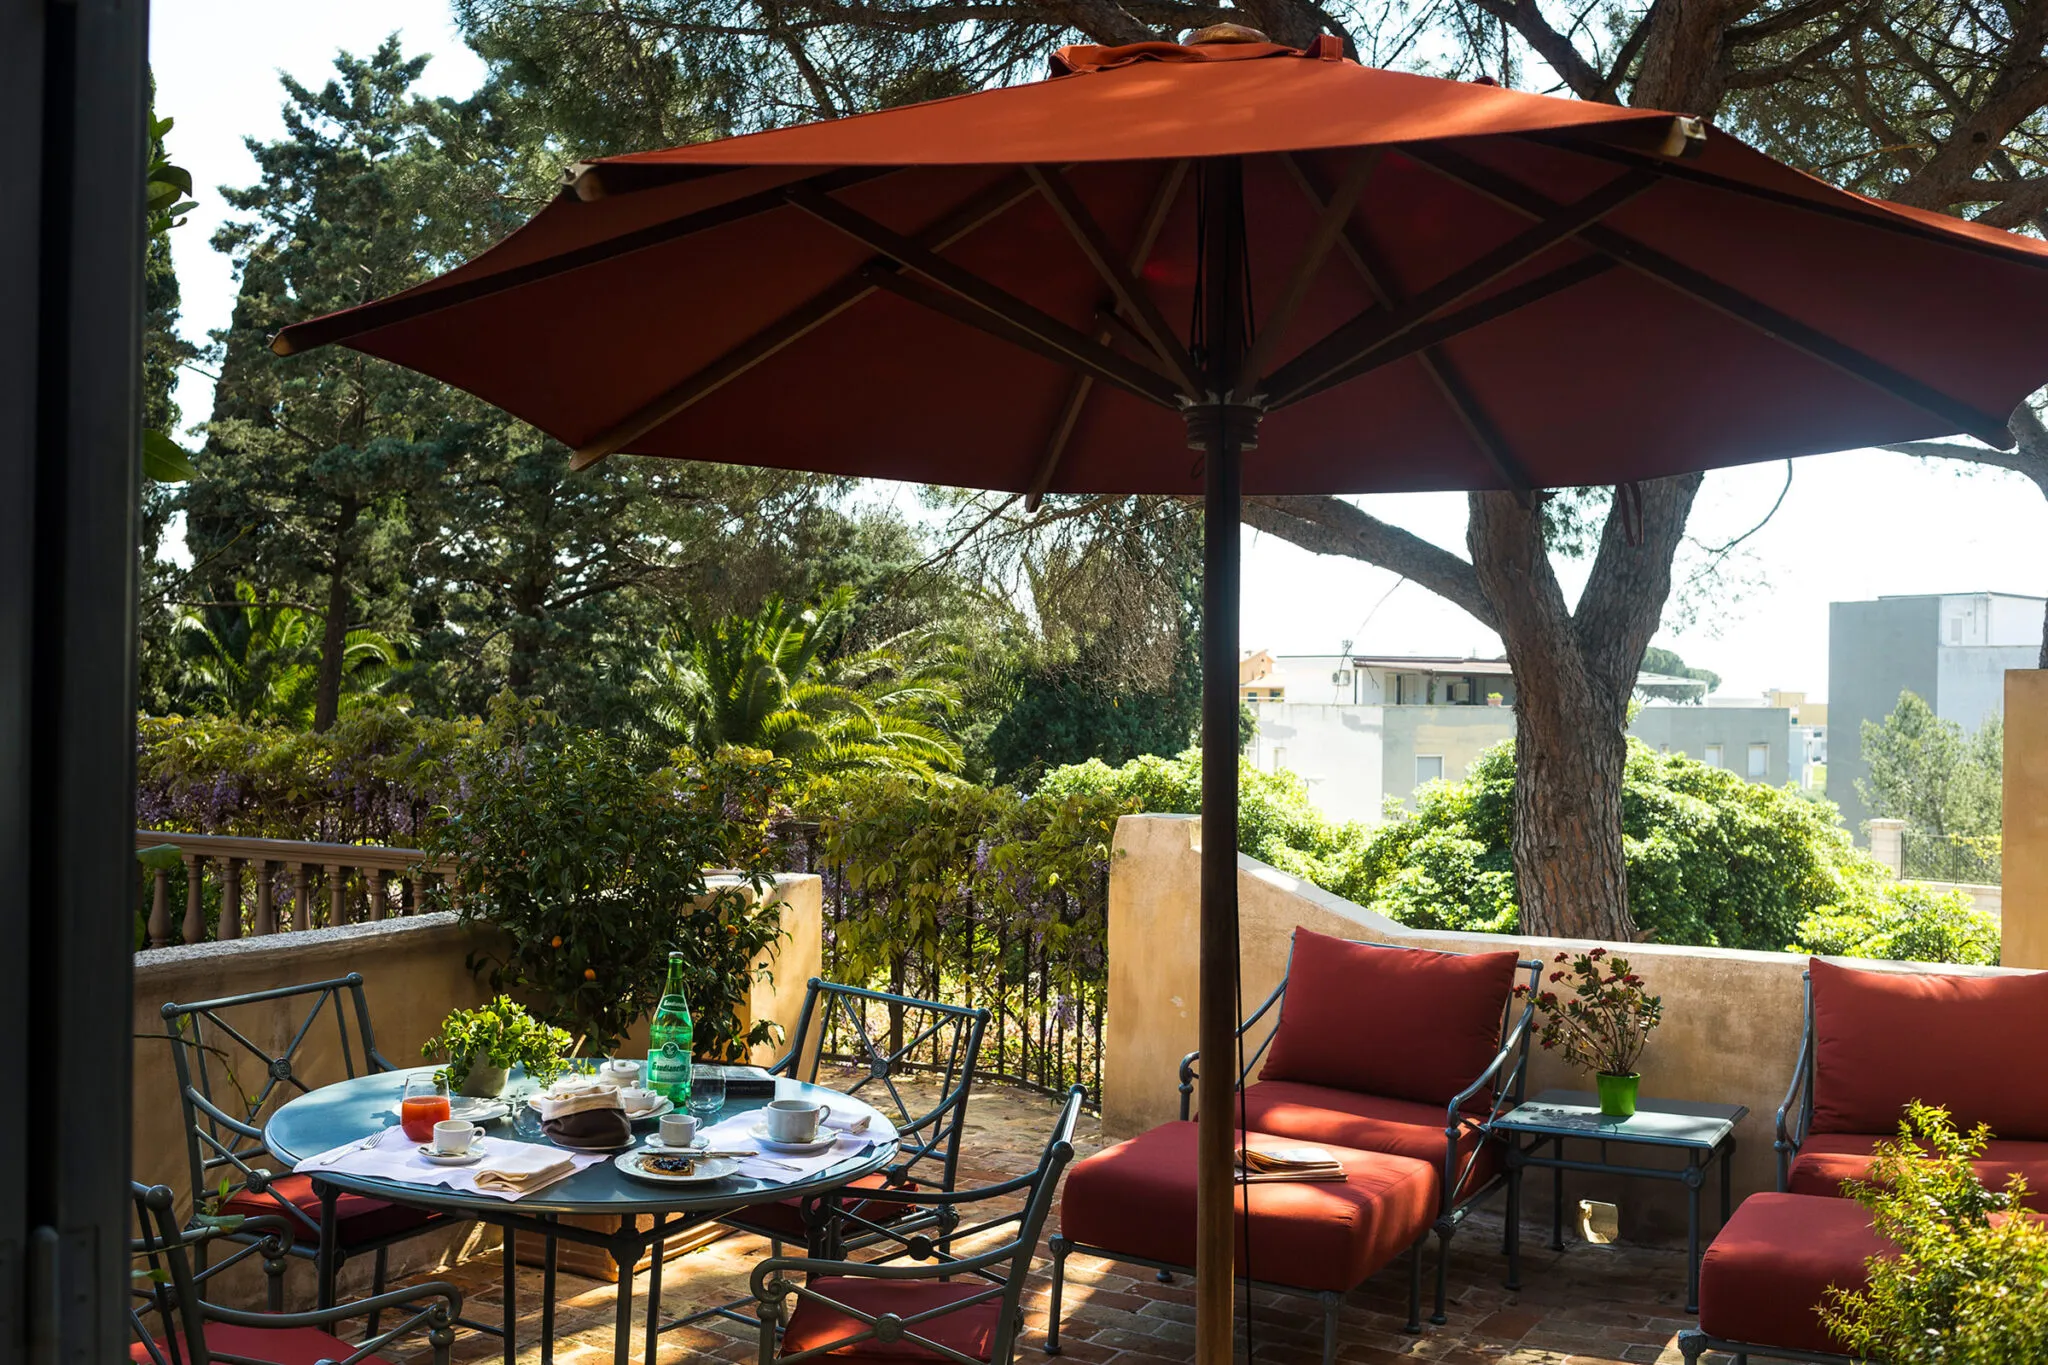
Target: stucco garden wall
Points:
(1731, 1029)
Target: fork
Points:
(352, 1149)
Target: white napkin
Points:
(736, 1134)
(394, 1156)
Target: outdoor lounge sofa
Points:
(1395, 1059)
(1876, 1040)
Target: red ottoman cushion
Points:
(971, 1330)
(1881, 1038)
(1345, 999)
(1343, 1118)
(1825, 1160)
(1138, 1199)
(1772, 1264)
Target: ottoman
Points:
(1136, 1202)
(1770, 1266)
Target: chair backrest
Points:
(166, 1290)
(1516, 1026)
(219, 1046)
(886, 1038)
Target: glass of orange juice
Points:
(424, 1104)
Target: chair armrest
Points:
(221, 1116)
(890, 1194)
(806, 1267)
(449, 1296)
(1793, 1115)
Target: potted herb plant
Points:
(1602, 1023)
(482, 1045)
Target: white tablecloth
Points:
(396, 1157)
(736, 1134)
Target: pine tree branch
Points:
(1332, 526)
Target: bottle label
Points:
(668, 1066)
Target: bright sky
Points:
(1855, 525)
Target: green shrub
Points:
(1907, 923)
(1966, 1285)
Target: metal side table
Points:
(1702, 1131)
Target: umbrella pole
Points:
(1223, 428)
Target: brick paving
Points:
(1588, 1303)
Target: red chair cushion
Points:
(358, 1218)
(1367, 1123)
(282, 1345)
(1882, 1038)
(971, 1330)
(1138, 1199)
(1772, 1264)
(784, 1219)
(1825, 1160)
(1345, 1001)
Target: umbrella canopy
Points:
(1382, 282)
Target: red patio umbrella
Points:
(1373, 281)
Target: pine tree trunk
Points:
(334, 637)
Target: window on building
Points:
(1955, 630)
(1759, 760)
(1712, 757)
(1279, 760)
(1428, 768)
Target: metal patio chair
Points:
(192, 1331)
(929, 1036)
(963, 1306)
(224, 1136)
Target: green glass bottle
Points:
(670, 1039)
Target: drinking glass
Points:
(424, 1104)
(707, 1093)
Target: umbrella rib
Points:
(1130, 295)
(1727, 299)
(1163, 197)
(1375, 327)
(1333, 214)
(1849, 213)
(1366, 260)
(1076, 347)
(322, 331)
(806, 317)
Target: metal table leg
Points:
(1727, 1178)
(1695, 1176)
(1511, 1235)
(510, 1244)
(1557, 1196)
(654, 1286)
(547, 1295)
(625, 1251)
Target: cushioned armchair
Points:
(1390, 1049)
(951, 1297)
(1878, 1039)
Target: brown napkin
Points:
(588, 1119)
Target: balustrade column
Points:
(302, 908)
(374, 878)
(230, 899)
(266, 902)
(160, 908)
(195, 908)
(337, 889)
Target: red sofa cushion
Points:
(1138, 1198)
(784, 1219)
(283, 1345)
(971, 1331)
(1368, 1123)
(1404, 1023)
(1883, 1038)
(1825, 1160)
(1772, 1264)
(357, 1217)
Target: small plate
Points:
(708, 1170)
(627, 1145)
(477, 1110)
(759, 1133)
(475, 1153)
(658, 1147)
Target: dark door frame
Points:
(72, 98)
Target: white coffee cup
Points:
(678, 1130)
(453, 1137)
(636, 1100)
(622, 1072)
(794, 1120)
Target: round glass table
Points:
(355, 1108)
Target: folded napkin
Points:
(521, 1169)
(780, 1168)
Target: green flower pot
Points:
(1617, 1094)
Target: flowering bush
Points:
(1605, 1021)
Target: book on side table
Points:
(1266, 1163)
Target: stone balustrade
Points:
(269, 886)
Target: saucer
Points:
(475, 1153)
(656, 1145)
(759, 1133)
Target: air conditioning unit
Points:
(1341, 678)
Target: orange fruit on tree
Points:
(590, 973)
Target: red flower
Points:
(1562, 957)
(1597, 953)
(1557, 976)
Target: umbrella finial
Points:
(1224, 33)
